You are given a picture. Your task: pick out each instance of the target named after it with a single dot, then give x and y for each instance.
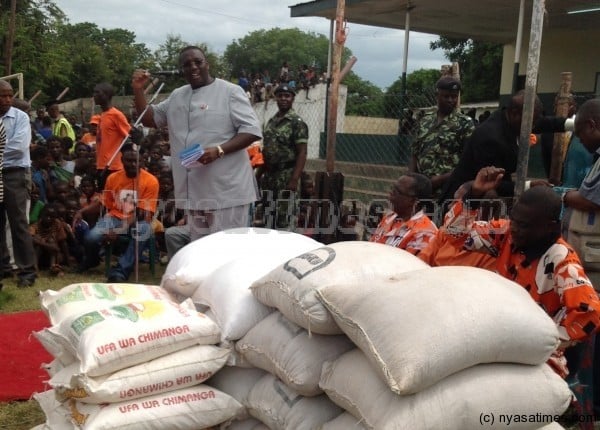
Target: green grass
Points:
(23, 415)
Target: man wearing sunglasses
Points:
(405, 227)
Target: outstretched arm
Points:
(138, 82)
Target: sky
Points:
(218, 23)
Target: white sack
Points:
(227, 289)
(286, 350)
(461, 401)
(281, 408)
(89, 296)
(291, 287)
(186, 409)
(194, 262)
(111, 339)
(181, 369)
(237, 382)
(425, 325)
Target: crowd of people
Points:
(260, 86)
(72, 190)
(78, 188)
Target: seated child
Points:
(50, 241)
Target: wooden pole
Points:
(62, 94)
(35, 96)
(347, 67)
(338, 48)
(455, 68)
(533, 60)
(561, 140)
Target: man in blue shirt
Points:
(17, 185)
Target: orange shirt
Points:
(554, 277)
(447, 250)
(412, 235)
(113, 128)
(123, 194)
(255, 154)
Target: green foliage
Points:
(420, 85)
(54, 54)
(480, 66)
(267, 50)
(364, 98)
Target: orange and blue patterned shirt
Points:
(554, 276)
(412, 235)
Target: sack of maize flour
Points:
(280, 407)
(291, 287)
(83, 297)
(514, 394)
(422, 326)
(226, 292)
(344, 421)
(189, 408)
(237, 382)
(111, 339)
(194, 262)
(285, 349)
(181, 369)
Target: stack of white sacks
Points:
(127, 356)
(351, 335)
(432, 348)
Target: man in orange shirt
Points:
(112, 131)
(130, 198)
(403, 228)
(530, 251)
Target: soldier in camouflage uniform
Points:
(285, 138)
(441, 136)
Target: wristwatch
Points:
(220, 152)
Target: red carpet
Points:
(21, 355)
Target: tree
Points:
(33, 50)
(480, 66)
(420, 86)
(267, 50)
(364, 98)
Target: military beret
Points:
(448, 83)
(284, 88)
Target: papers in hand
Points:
(189, 156)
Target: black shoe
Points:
(25, 282)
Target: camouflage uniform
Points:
(281, 136)
(437, 147)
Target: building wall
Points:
(561, 51)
